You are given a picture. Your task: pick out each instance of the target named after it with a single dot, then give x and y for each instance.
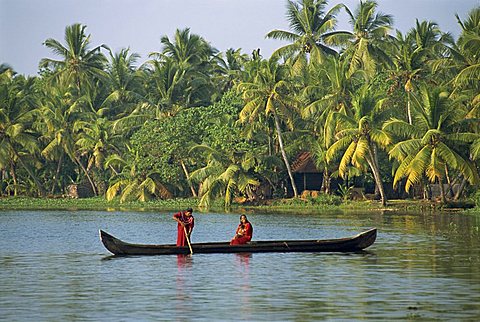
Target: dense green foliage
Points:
(400, 112)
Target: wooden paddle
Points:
(188, 240)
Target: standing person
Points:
(244, 232)
(185, 223)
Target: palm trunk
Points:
(57, 173)
(442, 191)
(376, 174)
(14, 178)
(284, 155)
(449, 182)
(188, 176)
(375, 154)
(2, 180)
(41, 189)
(460, 189)
(409, 111)
(113, 170)
(326, 181)
(87, 175)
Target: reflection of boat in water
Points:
(349, 244)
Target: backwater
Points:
(423, 266)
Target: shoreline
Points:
(276, 205)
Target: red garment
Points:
(247, 234)
(189, 222)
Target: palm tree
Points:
(328, 89)
(186, 50)
(229, 68)
(78, 64)
(359, 135)
(191, 58)
(96, 142)
(469, 46)
(227, 174)
(17, 140)
(61, 116)
(268, 92)
(412, 55)
(431, 145)
(370, 30)
(168, 86)
(312, 31)
(132, 185)
(124, 83)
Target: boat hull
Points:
(349, 244)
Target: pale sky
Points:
(139, 24)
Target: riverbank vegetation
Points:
(291, 205)
(396, 114)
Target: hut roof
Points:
(304, 164)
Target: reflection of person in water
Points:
(183, 282)
(244, 232)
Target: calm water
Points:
(53, 267)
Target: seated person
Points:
(244, 232)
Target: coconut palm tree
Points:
(433, 143)
(469, 46)
(17, 139)
(130, 184)
(225, 174)
(191, 58)
(412, 54)
(186, 50)
(230, 66)
(370, 31)
(359, 134)
(96, 141)
(124, 83)
(77, 63)
(328, 89)
(61, 115)
(168, 86)
(311, 32)
(269, 92)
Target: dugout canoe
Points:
(349, 244)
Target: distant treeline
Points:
(369, 106)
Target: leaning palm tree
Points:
(433, 143)
(359, 135)
(312, 32)
(269, 92)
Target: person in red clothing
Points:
(244, 232)
(185, 223)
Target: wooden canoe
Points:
(349, 244)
